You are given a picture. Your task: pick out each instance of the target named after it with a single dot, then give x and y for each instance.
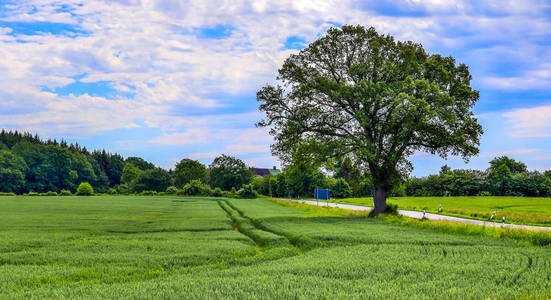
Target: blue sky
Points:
(169, 79)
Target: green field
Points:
(173, 247)
(519, 210)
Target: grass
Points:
(526, 236)
(173, 247)
(517, 210)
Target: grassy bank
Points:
(517, 210)
(525, 236)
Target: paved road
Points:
(419, 215)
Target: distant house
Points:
(260, 172)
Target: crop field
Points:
(519, 210)
(175, 247)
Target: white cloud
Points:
(149, 49)
(236, 141)
(530, 80)
(509, 152)
(146, 45)
(530, 122)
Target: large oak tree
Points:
(364, 95)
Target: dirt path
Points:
(419, 215)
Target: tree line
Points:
(29, 164)
(504, 177)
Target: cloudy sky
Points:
(168, 79)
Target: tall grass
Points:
(533, 237)
(221, 248)
(517, 210)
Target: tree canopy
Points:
(514, 166)
(140, 163)
(130, 173)
(364, 95)
(32, 164)
(12, 172)
(152, 180)
(227, 172)
(188, 170)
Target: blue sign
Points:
(322, 194)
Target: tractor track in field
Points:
(235, 222)
(421, 215)
(242, 221)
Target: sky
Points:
(173, 79)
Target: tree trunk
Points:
(379, 199)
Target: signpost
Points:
(322, 194)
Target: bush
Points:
(171, 190)
(65, 193)
(398, 190)
(152, 180)
(85, 189)
(196, 188)
(7, 194)
(217, 192)
(112, 191)
(341, 189)
(50, 193)
(484, 194)
(226, 172)
(229, 194)
(32, 194)
(258, 185)
(247, 191)
(148, 193)
(123, 189)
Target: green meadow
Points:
(519, 210)
(176, 247)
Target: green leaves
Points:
(188, 170)
(227, 172)
(373, 99)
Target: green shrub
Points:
(258, 185)
(65, 193)
(171, 190)
(85, 189)
(341, 189)
(148, 193)
(247, 191)
(217, 192)
(50, 193)
(32, 194)
(229, 194)
(196, 188)
(484, 194)
(7, 194)
(123, 189)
